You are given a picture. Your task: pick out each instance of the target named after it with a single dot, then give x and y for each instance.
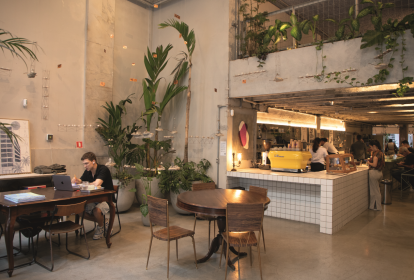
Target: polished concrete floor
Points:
(375, 245)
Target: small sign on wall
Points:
(79, 144)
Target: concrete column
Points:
(403, 132)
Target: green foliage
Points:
(183, 178)
(350, 24)
(118, 138)
(255, 42)
(17, 46)
(14, 138)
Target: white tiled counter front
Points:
(313, 197)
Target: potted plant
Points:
(118, 140)
(146, 182)
(176, 181)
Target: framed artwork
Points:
(304, 134)
(244, 135)
(15, 159)
(311, 134)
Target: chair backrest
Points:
(244, 216)
(259, 190)
(204, 186)
(158, 211)
(70, 209)
(116, 188)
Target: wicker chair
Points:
(242, 220)
(158, 215)
(209, 218)
(263, 192)
(64, 227)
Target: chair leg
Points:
(221, 254)
(76, 254)
(251, 259)
(176, 248)
(51, 253)
(119, 222)
(238, 260)
(168, 260)
(209, 229)
(195, 256)
(264, 243)
(260, 261)
(149, 251)
(227, 260)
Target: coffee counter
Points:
(330, 201)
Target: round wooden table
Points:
(214, 202)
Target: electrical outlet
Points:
(49, 137)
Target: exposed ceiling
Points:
(375, 104)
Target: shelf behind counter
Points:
(329, 200)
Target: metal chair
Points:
(242, 220)
(117, 213)
(262, 192)
(209, 218)
(63, 227)
(18, 227)
(409, 174)
(158, 215)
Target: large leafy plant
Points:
(182, 179)
(184, 65)
(118, 138)
(350, 23)
(142, 174)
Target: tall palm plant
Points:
(184, 65)
(154, 64)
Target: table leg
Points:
(111, 222)
(9, 236)
(215, 244)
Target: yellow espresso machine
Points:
(289, 161)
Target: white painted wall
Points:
(292, 64)
(210, 21)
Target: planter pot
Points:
(145, 220)
(155, 190)
(125, 197)
(173, 196)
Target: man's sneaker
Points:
(107, 226)
(98, 233)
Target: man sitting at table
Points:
(98, 175)
(408, 164)
(406, 145)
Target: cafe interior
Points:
(277, 132)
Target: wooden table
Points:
(214, 202)
(13, 210)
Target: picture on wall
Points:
(311, 134)
(15, 159)
(244, 135)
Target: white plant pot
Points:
(155, 190)
(173, 197)
(125, 196)
(145, 220)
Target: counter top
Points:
(27, 175)
(255, 173)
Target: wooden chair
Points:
(242, 220)
(116, 188)
(262, 192)
(64, 227)
(158, 215)
(209, 218)
(18, 227)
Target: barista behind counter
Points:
(319, 154)
(328, 146)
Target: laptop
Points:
(63, 183)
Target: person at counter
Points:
(359, 149)
(376, 163)
(391, 148)
(319, 154)
(328, 146)
(405, 145)
(408, 164)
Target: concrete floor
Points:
(375, 245)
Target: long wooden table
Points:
(214, 202)
(13, 210)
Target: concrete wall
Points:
(59, 28)
(77, 35)
(210, 20)
(292, 64)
